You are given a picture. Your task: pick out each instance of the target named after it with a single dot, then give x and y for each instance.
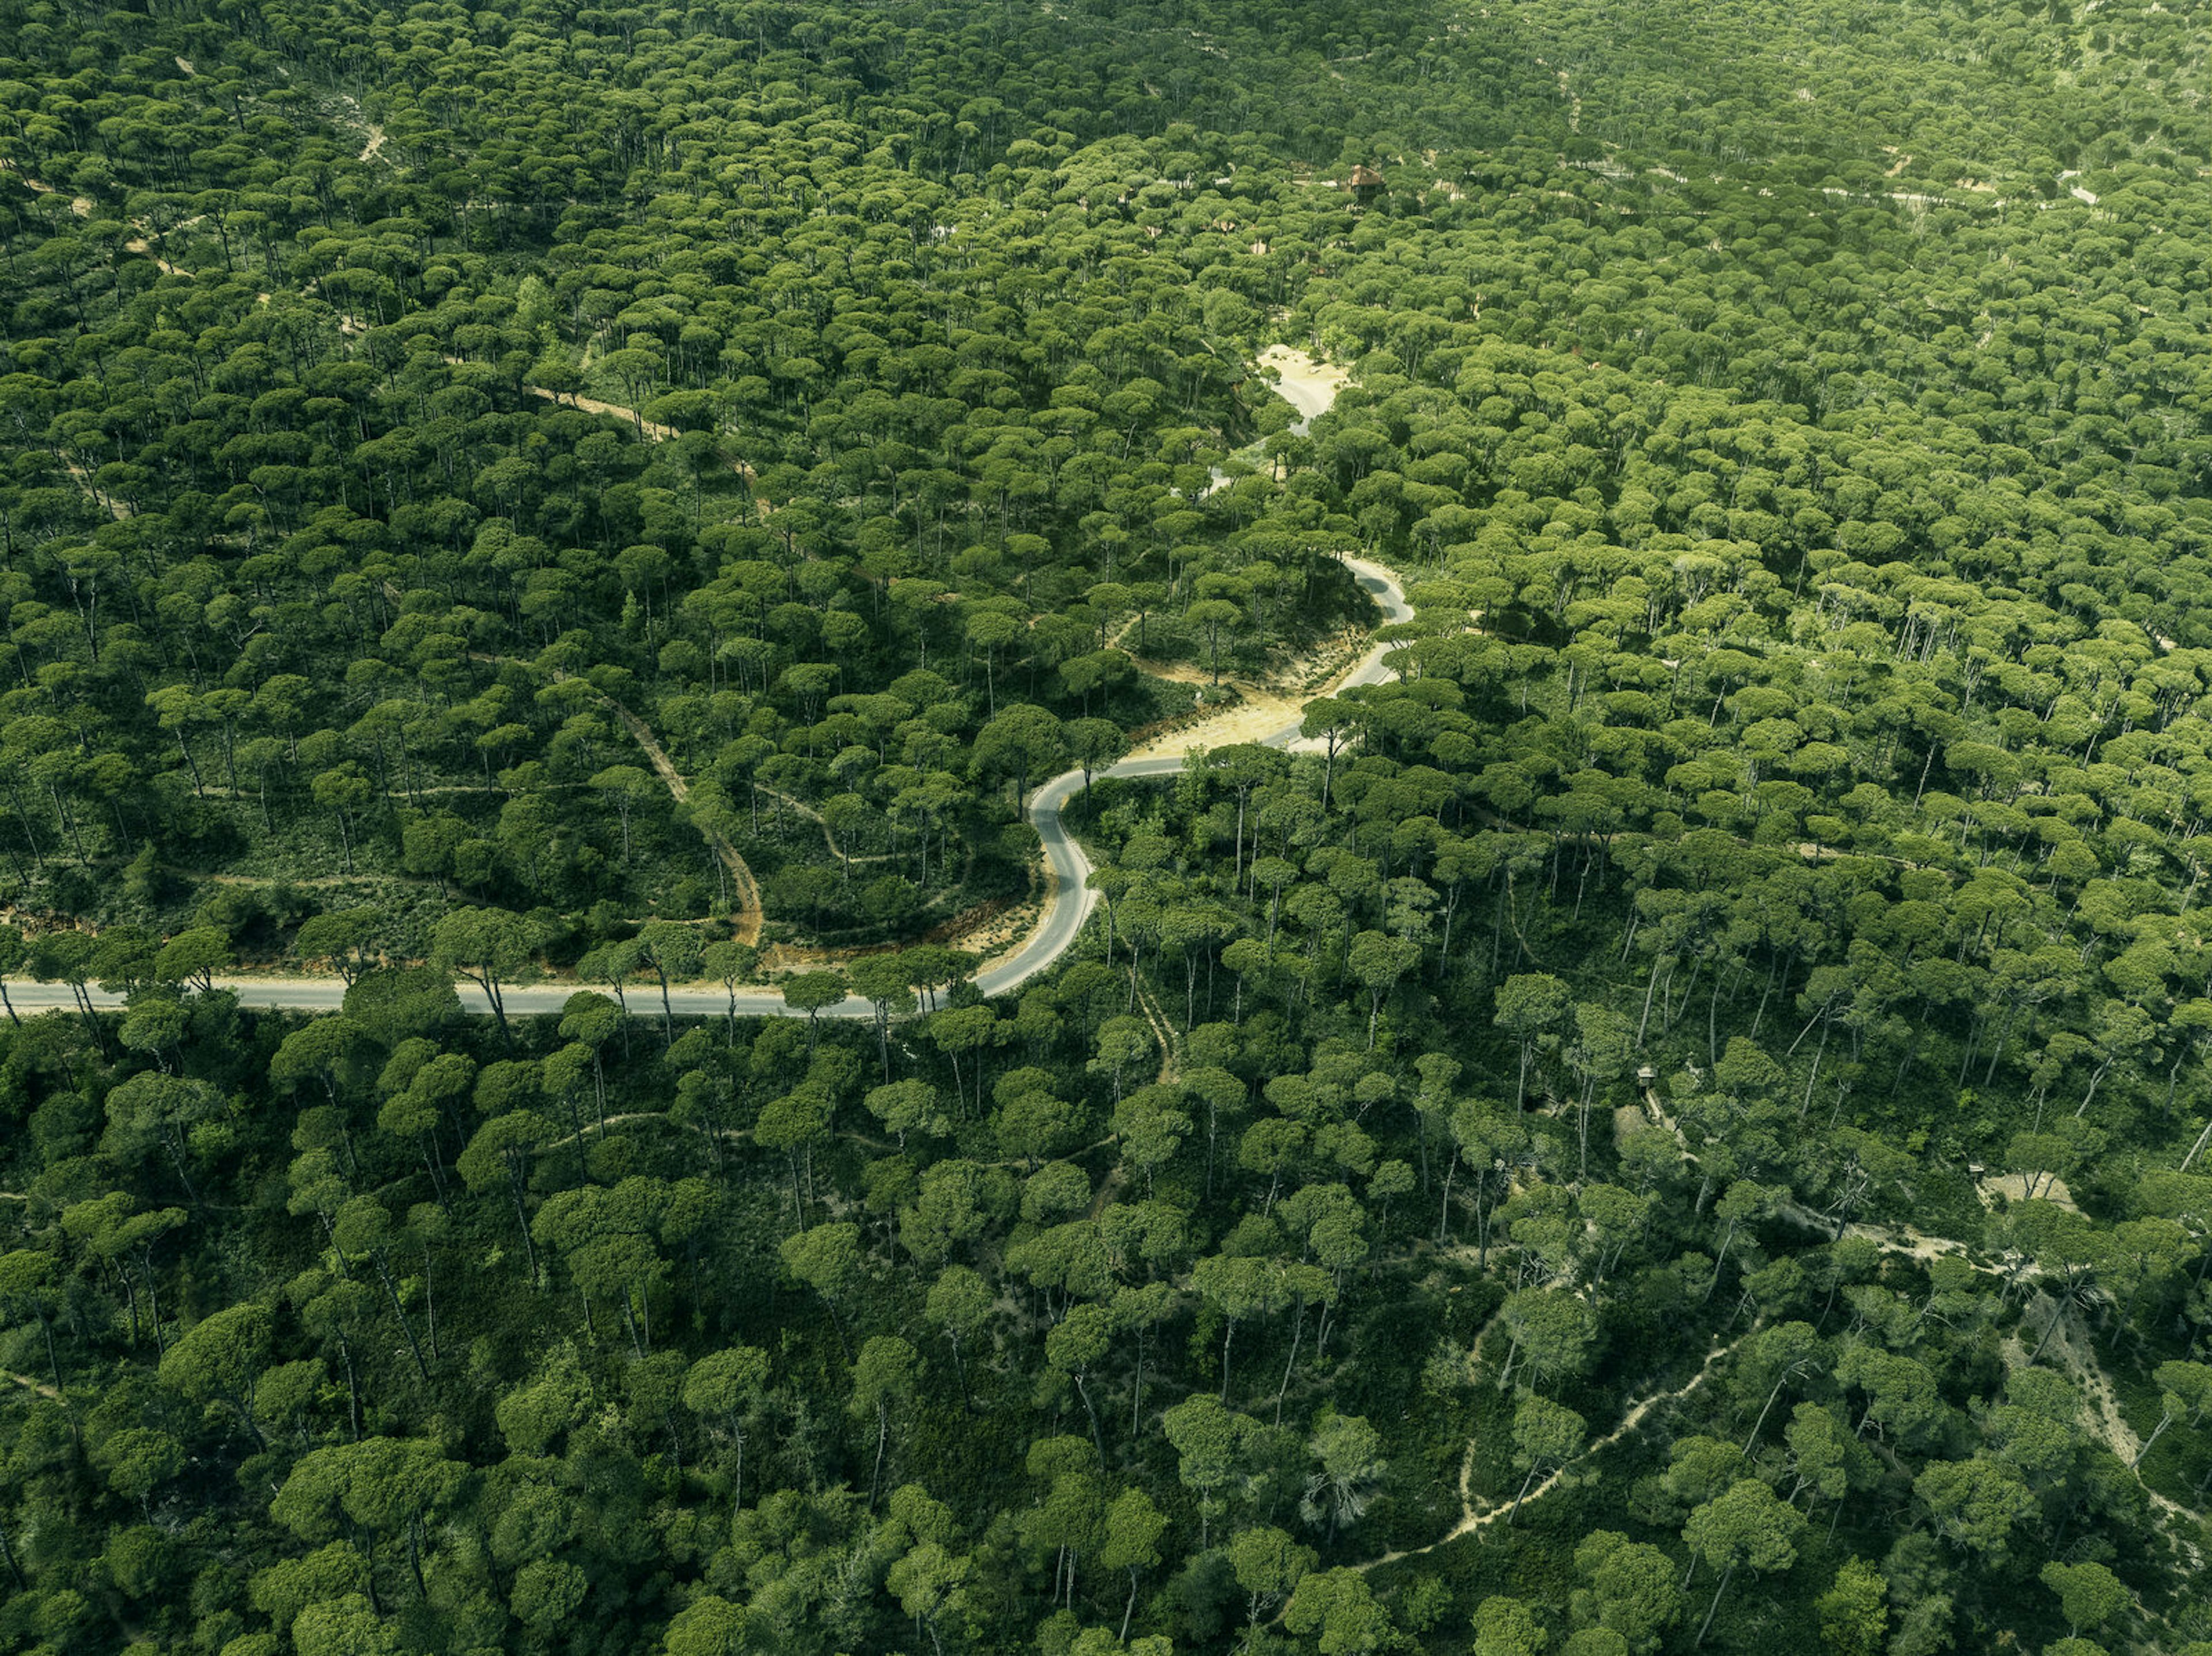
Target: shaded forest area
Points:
(1683, 1126)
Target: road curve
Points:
(1068, 899)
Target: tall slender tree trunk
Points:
(1522, 1495)
(2197, 1149)
(1705, 1626)
(1297, 1338)
(1649, 989)
(960, 1371)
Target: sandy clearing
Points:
(1308, 385)
(141, 247)
(2013, 1186)
(1260, 714)
(1262, 710)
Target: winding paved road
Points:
(1066, 903)
(1068, 897)
(1070, 900)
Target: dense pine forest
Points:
(1685, 1120)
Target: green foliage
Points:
(1853, 1612)
(606, 497)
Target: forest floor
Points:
(746, 918)
(2013, 1186)
(1475, 1518)
(801, 809)
(1263, 707)
(2070, 1345)
(2073, 1345)
(79, 205)
(29, 1384)
(985, 929)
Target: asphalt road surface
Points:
(1068, 899)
